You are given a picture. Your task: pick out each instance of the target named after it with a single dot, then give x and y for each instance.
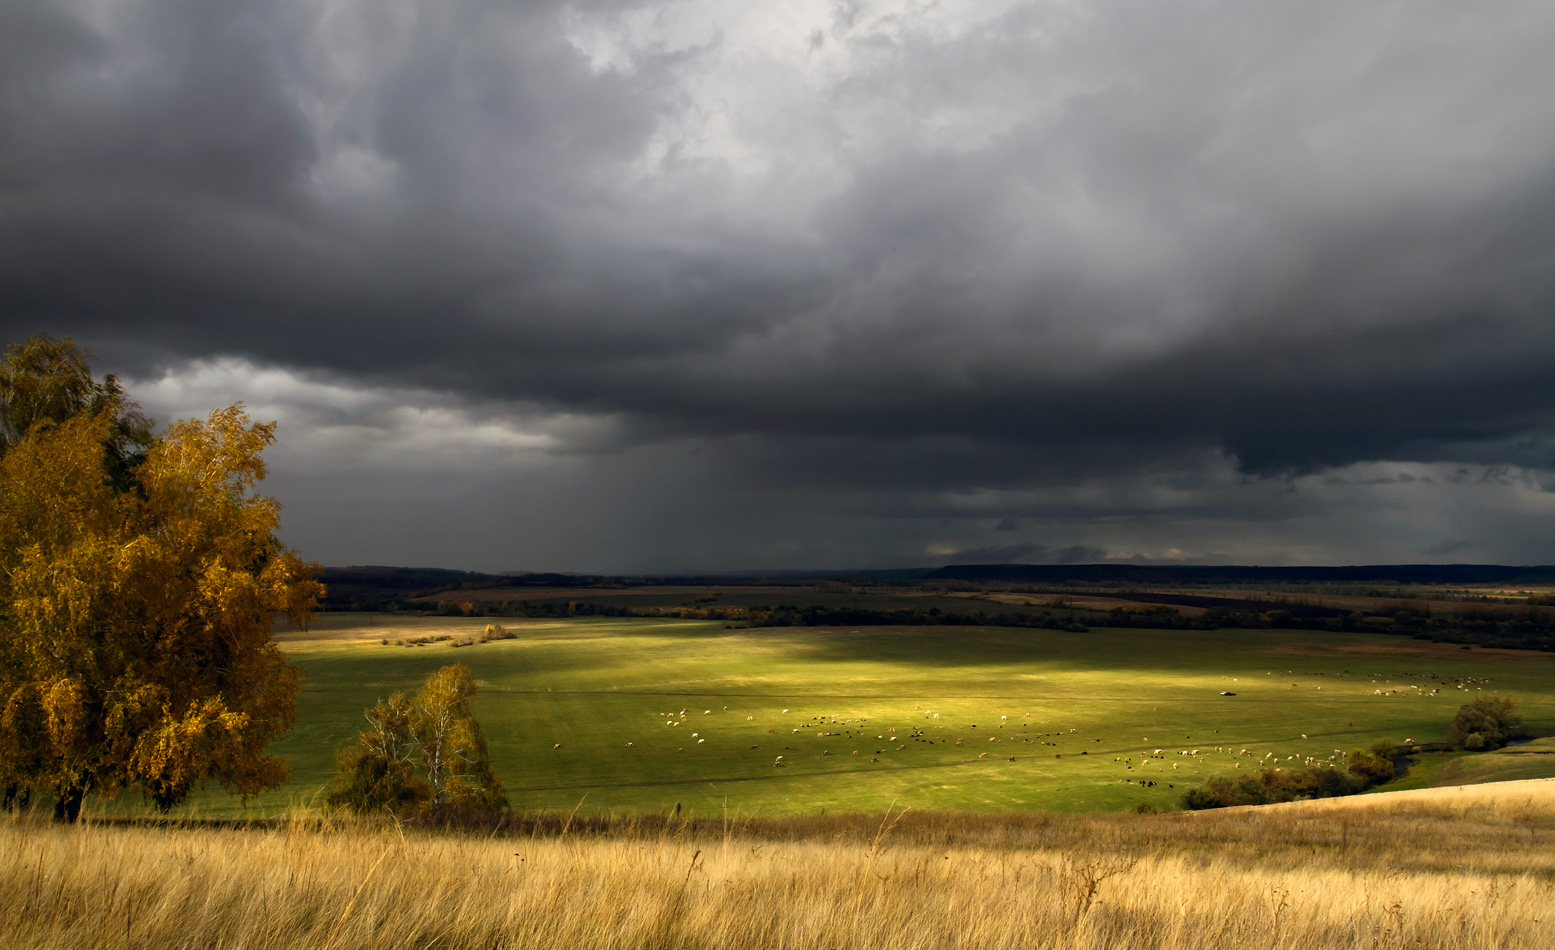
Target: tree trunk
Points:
(67, 804)
(11, 792)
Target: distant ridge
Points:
(375, 584)
(1180, 575)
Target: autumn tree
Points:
(44, 380)
(139, 580)
(453, 746)
(381, 771)
(437, 731)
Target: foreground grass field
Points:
(1434, 869)
(637, 716)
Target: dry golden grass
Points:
(1465, 801)
(1476, 871)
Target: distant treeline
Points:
(375, 587)
(1231, 575)
(783, 615)
(1534, 630)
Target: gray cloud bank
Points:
(640, 285)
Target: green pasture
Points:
(638, 715)
(1534, 759)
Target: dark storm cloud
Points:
(962, 251)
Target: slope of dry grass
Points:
(1475, 871)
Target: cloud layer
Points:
(638, 286)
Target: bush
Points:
(1370, 768)
(1491, 720)
(1362, 770)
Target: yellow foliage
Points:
(140, 620)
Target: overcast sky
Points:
(729, 284)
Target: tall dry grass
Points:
(1422, 874)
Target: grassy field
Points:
(1432, 869)
(1534, 759)
(633, 716)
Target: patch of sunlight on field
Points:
(631, 716)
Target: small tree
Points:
(1486, 723)
(453, 747)
(426, 752)
(379, 772)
